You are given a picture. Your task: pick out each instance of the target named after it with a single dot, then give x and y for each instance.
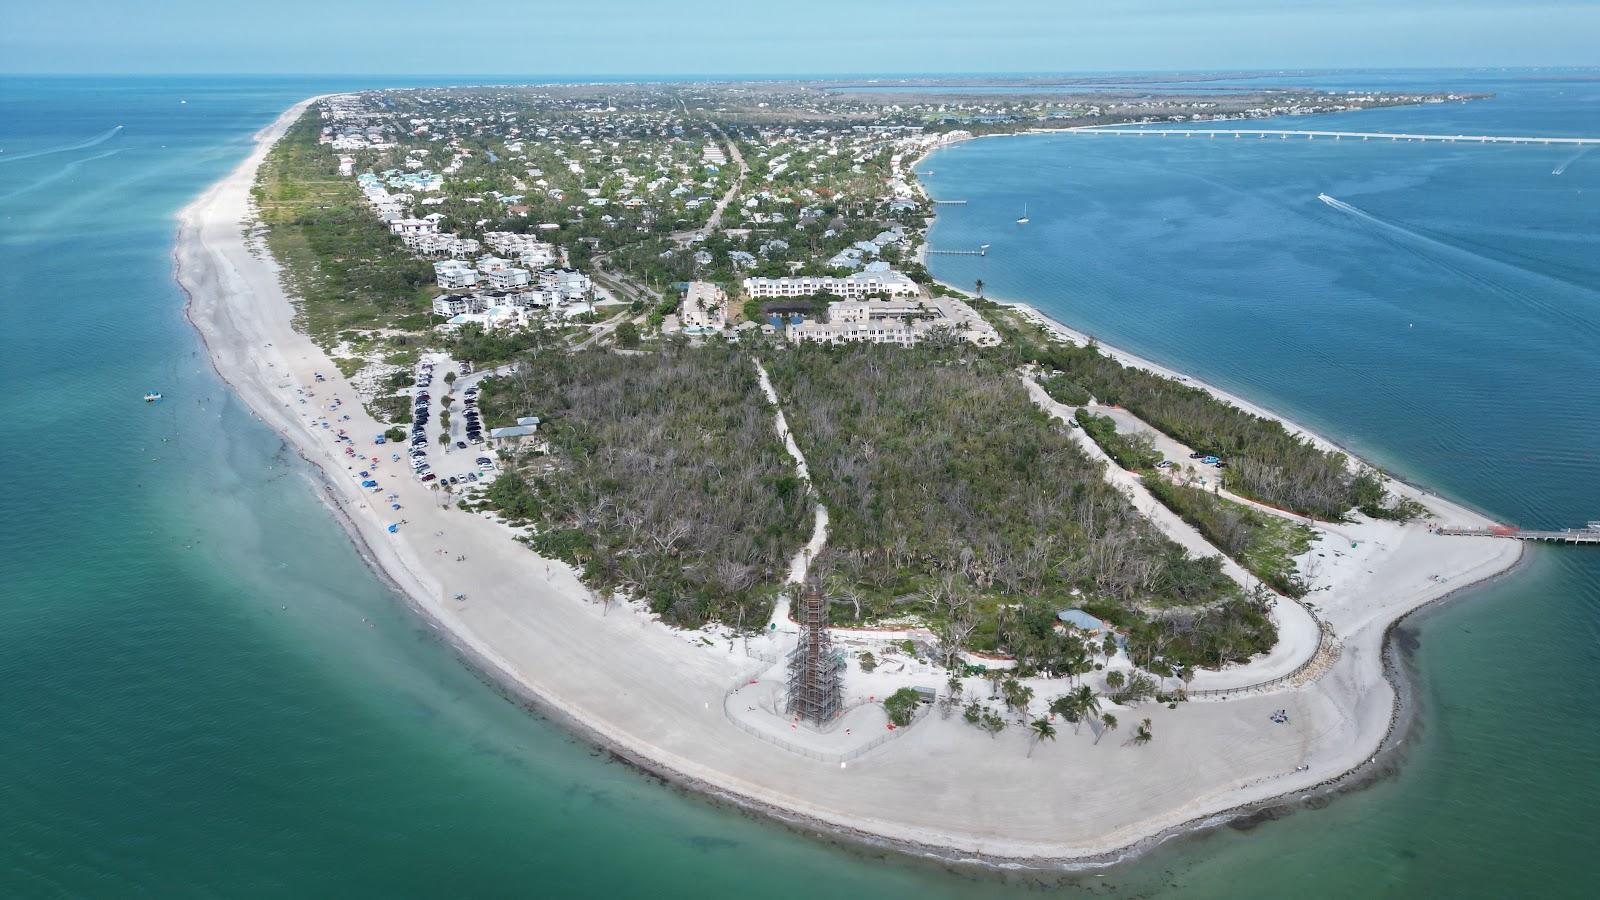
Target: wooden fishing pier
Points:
(1589, 534)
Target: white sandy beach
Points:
(655, 697)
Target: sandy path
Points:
(654, 696)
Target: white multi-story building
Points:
(508, 278)
(455, 275)
(529, 250)
(903, 322)
(449, 305)
(405, 227)
(570, 284)
(704, 308)
(851, 287)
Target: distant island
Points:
(644, 394)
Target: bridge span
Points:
(1285, 134)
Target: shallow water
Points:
(204, 691)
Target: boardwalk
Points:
(1589, 534)
(983, 250)
(1282, 134)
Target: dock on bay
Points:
(1589, 534)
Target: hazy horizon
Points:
(827, 37)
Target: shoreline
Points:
(231, 334)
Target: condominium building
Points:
(455, 275)
(903, 322)
(705, 308)
(855, 286)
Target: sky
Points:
(749, 37)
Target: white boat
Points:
(1023, 220)
(151, 397)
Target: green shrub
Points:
(901, 705)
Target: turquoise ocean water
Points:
(204, 692)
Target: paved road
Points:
(684, 238)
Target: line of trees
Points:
(1265, 461)
(1263, 544)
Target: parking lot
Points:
(464, 460)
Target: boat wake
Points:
(65, 170)
(1568, 161)
(81, 145)
(1471, 266)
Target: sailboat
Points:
(1023, 220)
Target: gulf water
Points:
(203, 691)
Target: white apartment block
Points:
(704, 308)
(508, 278)
(528, 249)
(572, 286)
(903, 322)
(856, 286)
(455, 275)
(449, 305)
(405, 227)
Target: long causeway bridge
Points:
(1284, 134)
(1589, 534)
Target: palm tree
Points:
(1066, 706)
(1142, 735)
(1018, 695)
(1108, 722)
(980, 288)
(1042, 729)
(1086, 702)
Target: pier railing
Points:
(1589, 535)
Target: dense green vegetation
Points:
(1064, 390)
(954, 498)
(664, 477)
(1265, 461)
(1130, 451)
(343, 266)
(1264, 544)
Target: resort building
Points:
(448, 305)
(899, 322)
(508, 278)
(405, 227)
(856, 286)
(455, 275)
(704, 309)
(571, 285)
